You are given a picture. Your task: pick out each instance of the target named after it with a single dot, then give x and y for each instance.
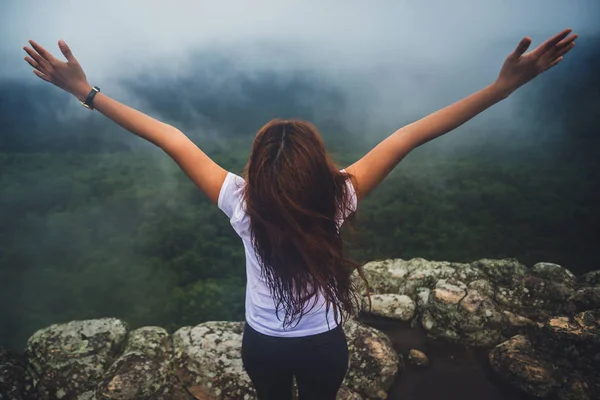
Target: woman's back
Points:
(261, 307)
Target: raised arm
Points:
(518, 69)
(69, 76)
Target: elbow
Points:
(171, 139)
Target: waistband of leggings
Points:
(314, 337)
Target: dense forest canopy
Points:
(95, 222)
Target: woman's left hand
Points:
(68, 76)
(520, 68)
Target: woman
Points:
(288, 211)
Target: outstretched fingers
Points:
(553, 63)
(564, 50)
(566, 41)
(41, 75)
(33, 63)
(42, 52)
(41, 63)
(559, 50)
(550, 43)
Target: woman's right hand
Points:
(68, 76)
(520, 68)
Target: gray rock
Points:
(519, 365)
(373, 361)
(409, 277)
(587, 298)
(536, 297)
(501, 272)
(572, 342)
(208, 362)
(428, 323)
(15, 381)
(141, 372)
(546, 298)
(468, 273)
(591, 278)
(519, 321)
(70, 359)
(578, 388)
(423, 297)
(383, 277)
(418, 358)
(482, 286)
(424, 274)
(553, 272)
(449, 291)
(511, 299)
(396, 306)
(516, 324)
(482, 320)
(346, 394)
(465, 303)
(558, 358)
(465, 316)
(440, 316)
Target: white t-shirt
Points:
(260, 305)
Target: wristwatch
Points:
(90, 98)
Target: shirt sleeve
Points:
(231, 194)
(353, 204)
(353, 196)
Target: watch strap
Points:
(88, 103)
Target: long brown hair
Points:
(295, 196)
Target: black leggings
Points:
(319, 363)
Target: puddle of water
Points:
(455, 372)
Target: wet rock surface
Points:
(561, 358)
(517, 362)
(454, 371)
(418, 358)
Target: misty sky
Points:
(420, 54)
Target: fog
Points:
(393, 61)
